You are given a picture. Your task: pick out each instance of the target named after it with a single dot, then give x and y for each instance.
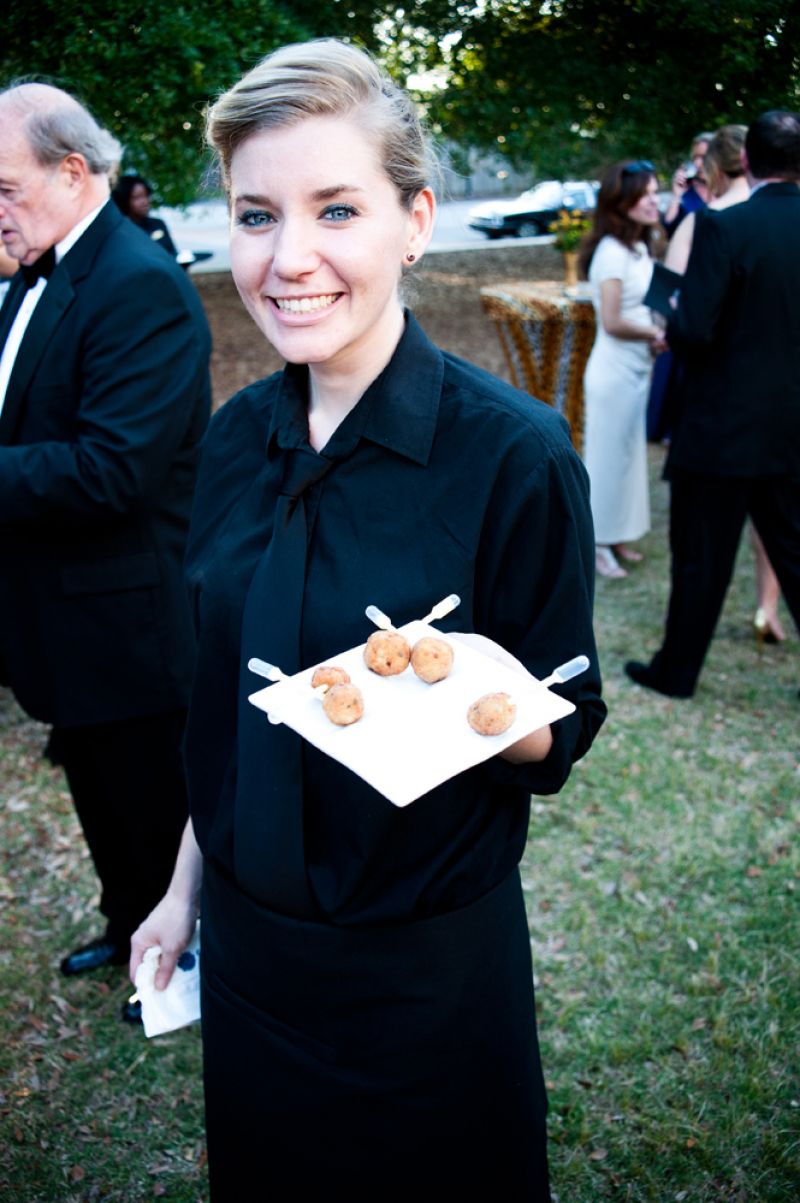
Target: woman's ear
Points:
(421, 218)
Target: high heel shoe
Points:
(605, 563)
(765, 631)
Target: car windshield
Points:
(577, 196)
(546, 195)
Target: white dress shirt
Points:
(31, 300)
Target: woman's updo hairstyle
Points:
(724, 154)
(325, 78)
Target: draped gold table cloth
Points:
(546, 336)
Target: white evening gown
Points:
(616, 387)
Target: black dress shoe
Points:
(95, 955)
(643, 674)
(131, 1012)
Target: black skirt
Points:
(368, 1062)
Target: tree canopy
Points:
(567, 86)
(146, 69)
(560, 87)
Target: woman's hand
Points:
(659, 344)
(679, 186)
(531, 747)
(679, 183)
(171, 924)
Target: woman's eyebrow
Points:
(323, 194)
(320, 194)
(250, 198)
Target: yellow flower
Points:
(569, 229)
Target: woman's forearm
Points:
(631, 331)
(188, 873)
(530, 748)
(170, 925)
(612, 320)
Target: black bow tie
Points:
(41, 269)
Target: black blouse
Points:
(445, 480)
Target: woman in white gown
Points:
(616, 257)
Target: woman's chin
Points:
(302, 345)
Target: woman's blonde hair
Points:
(724, 154)
(325, 78)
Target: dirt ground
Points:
(445, 296)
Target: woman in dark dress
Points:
(132, 195)
(368, 1015)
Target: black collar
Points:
(777, 188)
(398, 411)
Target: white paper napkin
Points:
(177, 1005)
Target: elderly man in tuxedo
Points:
(736, 449)
(104, 397)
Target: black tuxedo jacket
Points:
(738, 327)
(99, 437)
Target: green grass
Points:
(662, 891)
(89, 1110)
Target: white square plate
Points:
(413, 736)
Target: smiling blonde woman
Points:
(368, 1017)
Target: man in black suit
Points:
(104, 397)
(736, 449)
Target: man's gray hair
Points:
(56, 125)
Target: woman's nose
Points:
(294, 249)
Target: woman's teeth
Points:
(304, 304)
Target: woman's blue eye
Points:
(254, 218)
(340, 212)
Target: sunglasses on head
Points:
(639, 166)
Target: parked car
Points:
(532, 213)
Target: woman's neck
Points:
(327, 411)
(738, 190)
(336, 386)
